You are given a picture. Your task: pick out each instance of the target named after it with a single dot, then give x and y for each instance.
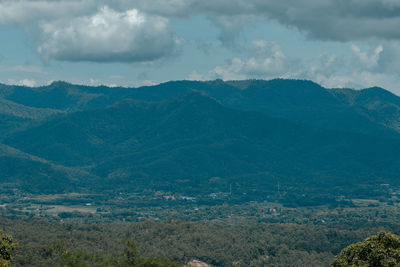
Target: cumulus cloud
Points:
(365, 68)
(359, 79)
(108, 36)
(72, 31)
(138, 31)
(264, 59)
(92, 30)
(326, 65)
(342, 20)
(369, 60)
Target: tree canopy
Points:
(7, 247)
(382, 249)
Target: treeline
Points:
(129, 257)
(238, 242)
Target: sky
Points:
(337, 43)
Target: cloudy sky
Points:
(338, 43)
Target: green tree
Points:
(382, 249)
(7, 247)
(132, 258)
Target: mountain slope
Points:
(201, 137)
(135, 144)
(376, 104)
(296, 100)
(33, 174)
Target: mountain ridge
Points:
(151, 137)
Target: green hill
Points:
(252, 134)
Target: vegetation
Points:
(7, 246)
(130, 257)
(62, 256)
(240, 173)
(200, 138)
(382, 249)
(294, 237)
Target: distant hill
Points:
(252, 134)
(297, 100)
(32, 174)
(375, 104)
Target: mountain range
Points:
(196, 138)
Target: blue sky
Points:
(337, 43)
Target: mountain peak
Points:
(60, 83)
(378, 93)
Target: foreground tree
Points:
(382, 249)
(7, 247)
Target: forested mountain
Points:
(252, 134)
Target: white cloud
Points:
(365, 69)
(362, 79)
(138, 31)
(369, 60)
(232, 71)
(326, 66)
(23, 82)
(195, 76)
(322, 19)
(70, 33)
(264, 59)
(108, 36)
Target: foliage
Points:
(130, 257)
(236, 240)
(382, 249)
(7, 246)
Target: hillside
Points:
(203, 137)
(32, 174)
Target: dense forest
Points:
(200, 138)
(308, 237)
